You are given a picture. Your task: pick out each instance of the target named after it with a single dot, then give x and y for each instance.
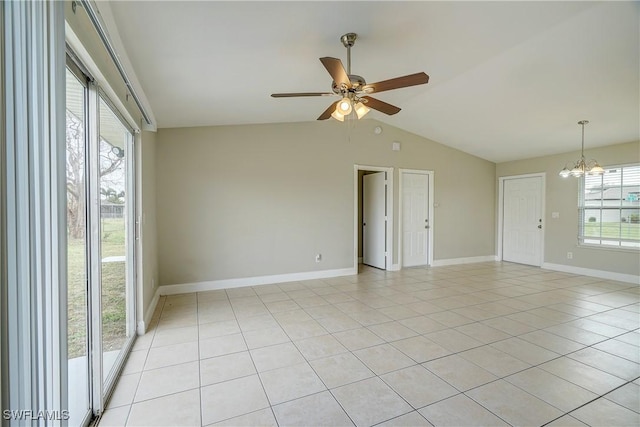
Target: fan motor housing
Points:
(357, 82)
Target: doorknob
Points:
(426, 226)
(540, 226)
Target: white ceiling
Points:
(508, 80)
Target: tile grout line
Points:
(412, 285)
(264, 390)
(593, 400)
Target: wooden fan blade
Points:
(290, 95)
(381, 106)
(397, 83)
(336, 69)
(327, 113)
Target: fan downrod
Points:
(348, 40)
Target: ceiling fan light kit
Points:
(344, 106)
(582, 167)
(338, 115)
(361, 109)
(354, 90)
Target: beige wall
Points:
(256, 200)
(562, 196)
(147, 208)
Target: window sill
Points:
(609, 248)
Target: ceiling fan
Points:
(354, 90)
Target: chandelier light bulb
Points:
(565, 173)
(596, 170)
(344, 106)
(577, 172)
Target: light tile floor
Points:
(479, 344)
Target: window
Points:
(609, 208)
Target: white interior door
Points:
(374, 220)
(415, 219)
(522, 220)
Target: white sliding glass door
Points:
(100, 245)
(116, 239)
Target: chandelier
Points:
(582, 166)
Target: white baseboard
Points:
(395, 267)
(600, 274)
(144, 324)
(469, 260)
(253, 281)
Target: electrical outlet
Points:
(318, 257)
(569, 255)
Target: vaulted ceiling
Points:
(508, 80)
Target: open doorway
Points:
(373, 217)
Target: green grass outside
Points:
(615, 230)
(113, 291)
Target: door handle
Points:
(426, 226)
(540, 226)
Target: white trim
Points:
(600, 274)
(395, 267)
(624, 249)
(3, 233)
(468, 260)
(543, 199)
(253, 281)
(390, 239)
(109, 26)
(133, 283)
(93, 230)
(144, 324)
(78, 48)
(430, 203)
(141, 275)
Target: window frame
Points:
(588, 241)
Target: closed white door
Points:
(522, 220)
(415, 219)
(374, 234)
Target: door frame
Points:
(543, 199)
(430, 210)
(389, 229)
